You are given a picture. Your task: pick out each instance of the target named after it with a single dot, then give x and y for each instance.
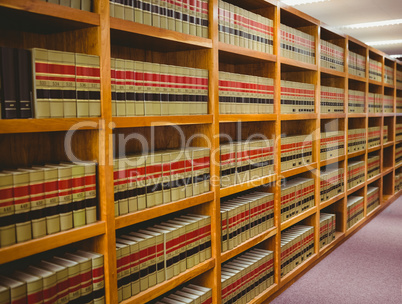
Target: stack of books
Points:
(356, 101)
(398, 182)
(398, 132)
(297, 196)
(374, 137)
(384, 134)
(356, 173)
(297, 97)
(297, 245)
(355, 209)
(155, 254)
(398, 79)
(244, 277)
(389, 75)
(398, 104)
(43, 200)
(375, 102)
(388, 102)
(147, 180)
(152, 89)
(375, 70)
(331, 182)
(332, 144)
(70, 277)
(373, 198)
(84, 5)
(245, 94)
(245, 160)
(332, 99)
(297, 45)
(243, 28)
(398, 154)
(296, 151)
(332, 56)
(373, 166)
(190, 294)
(188, 17)
(357, 64)
(48, 84)
(327, 228)
(244, 217)
(356, 140)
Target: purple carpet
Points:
(365, 269)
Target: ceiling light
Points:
(396, 56)
(372, 24)
(300, 2)
(386, 42)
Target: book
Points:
(41, 83)
(17, 290)
(8, 83)
(24, 76)
(49, 283)
(69, 87)
(74, 276)
(134, 264)
(7, 222)
(123, 271)
(90, 192)
(34, 286)
(62, 279)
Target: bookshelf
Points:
(24, 142)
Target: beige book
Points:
(159, 258)
(73, 269)
(49, 281)
(40, 69)
(119, 10)
(180, 244)
(7, 232)
(147, 12)
(34, 286)
(69, 86)
(123, 254)
(93, 63)
(134, 263)
(120, 87)
(12, 291)
(129, 12)
(82, 86)
(61, 278)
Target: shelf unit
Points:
(26, 24)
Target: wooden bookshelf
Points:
(35, 23)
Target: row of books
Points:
(398, 79)
(332, 56)
(357, 64)
(331, 183)
(327, 228)
(355, 210)
(373, 166)
(375, 102)
(244, 28)
(297, 195)
(189, 294)
(244, 277)
(153, 89)
(356, 173)
(373, 198)
(398, 132)
(84, 5)
(184, 16)
(148, 180)
(297, 245)
(296, 151)
(356, 101)
(245, 94)
(398, 154)
(244, 217)
(388, 75)
(356, 140)
(398, 104)
(332, 144)
(297, 97)
(398, 181)
(374, 137)
(297, 45)
(245, 160)
(388, 102)
(332, 99)
(71, 277)
(152, 255)
(375, 70)
(44, 200)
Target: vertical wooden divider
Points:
(107, 242)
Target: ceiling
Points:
(339, 13)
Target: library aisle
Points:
(366, 268)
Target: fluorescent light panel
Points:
(372, 24)
(385, 42)
(300, 2)
(396, 56)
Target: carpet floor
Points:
(365, 269)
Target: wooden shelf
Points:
(332, 115)
(227, 255)
(375, 115)
(374, 178)
(355, 188)
(298, 218)
(22, 250)
(388, 114)
(298, 116)
(357, 153)
(247, 117)
(239, 54)
(397, 166)
(148, 121)
(298, 64)
(146, 214)
(35, 16)
(247, 185)
(299, 170)
(375, 82)
(355, 226)
(332, 160)
(388, 144)
(332, 72)
(32, 125)
(129, 33)
(338, 237)
(358, 78)
(289, 276)
(386, 171)
(259, 299)
(160, 289)
(387, 197)
(391, 86)
(372, 212)
(372, 149)
(332, 200)
(357, 115)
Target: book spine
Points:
(24, 72)
(7, 222)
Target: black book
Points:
(24, 80)
(8, 86)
